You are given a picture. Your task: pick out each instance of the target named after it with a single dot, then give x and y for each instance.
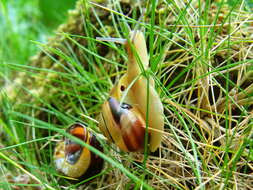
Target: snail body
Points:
(137, 91)
(74, 160)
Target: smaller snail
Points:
(133, 102)
(74, 160)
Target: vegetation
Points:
(201, 57)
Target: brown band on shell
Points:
(134, 138)
(139, 132)
(97, 162)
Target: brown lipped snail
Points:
(74, 160)
(125, 114)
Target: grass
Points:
(201, 58)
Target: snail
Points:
(125, 113)
(74, 160)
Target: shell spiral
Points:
(74, 160)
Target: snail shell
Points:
(137, 91)
(123, 125)
(74, 160)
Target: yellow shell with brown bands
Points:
(123, 125)
(74, 160)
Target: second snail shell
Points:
(124, 114)
(74, 160)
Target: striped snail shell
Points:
(74, 160)
(124, 115)
(123, 124)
